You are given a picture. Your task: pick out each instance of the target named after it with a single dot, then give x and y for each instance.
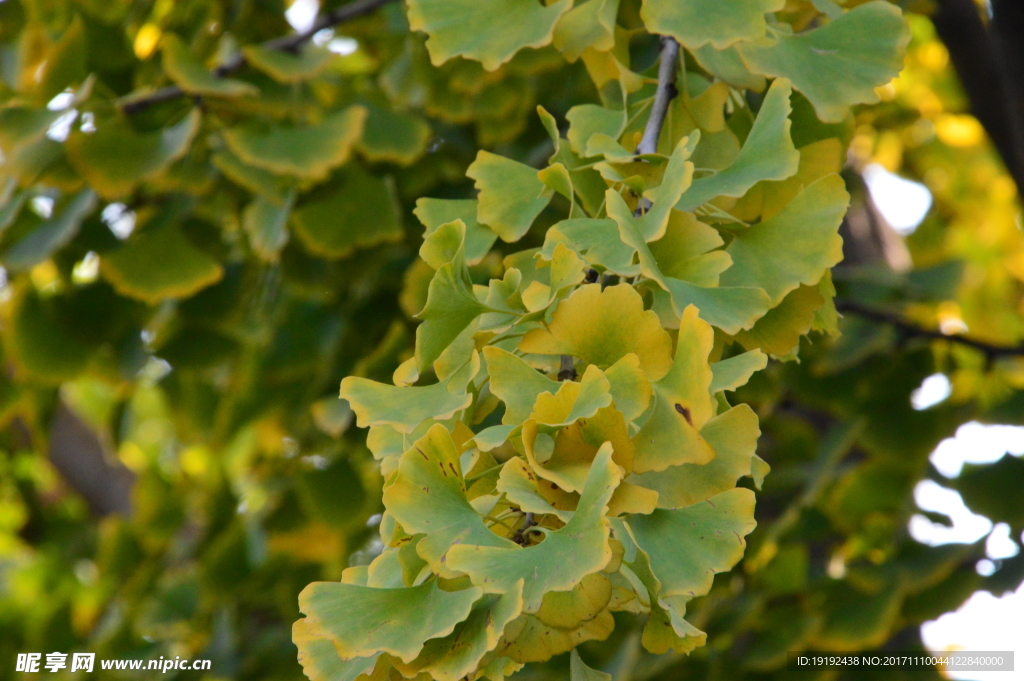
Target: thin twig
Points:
(665, 93)
(520, 535)
(663, 96)
(288, 43)
(914, 331)
(567, 369)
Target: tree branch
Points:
(913, 330)
(665, 93)
(288, 43)
(988, 61)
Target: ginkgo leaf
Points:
(734, 372)
(573, 401)
(586, 120)
(839, 64)
(379, 404)
(682, 403)
(307, 62)
(158, 264)
(511, 194)
(729, 308)
(436, 212)
(43, 241)
(570, 609)
(696, 23)
(115, 158)
(728, 65)
(194, 78)
(733, 437)
(566, 458)
(767, 154)
(256, 180)
(579, 671)
(527, 639)
(516, 383)
(335, 221)
(688, 546)
(520, 485)
(597, 241)
(443, 244)
(362, 621)
(451, 307)
(778, 332)
(588, 25)
(395, 136)
(665, 629)
(457, 655)
(794, 247)
(468, 29)
(266, 223)
(320, 660)
(428, 497)
(630, 389)
(308, 151)
(565, 556)
(601, 327)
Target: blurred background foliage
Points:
(187, 279)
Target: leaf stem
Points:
(287, 43)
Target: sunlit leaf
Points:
(721, 23)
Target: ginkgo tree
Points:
(560, 447)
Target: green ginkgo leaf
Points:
(115, 158)
(665, 629)
(528, 639)
(520, 485)
(586, 120)
(688, 546)
(601, 327)
(256, 180)
(579, 671)
(588, 25)
(733, 437)
(361, 621)
(515, 383)
(457, 655)
(428, 497)
(796, 246)
(266, 224)
(767, 154)
(696, 23)
(451, 307)
(436, 212)
(158, 264)
(320, 660)
(728, 65)
(393, 136)
(511, 194)
(307, 62)
(729, 308)
(194, 78)
(682, 403)
(570, 609)
(465, 28)
(565, 556)
(336, 221)
(379, 404)
(631, 391)
(308, 151)
(43, 241)
(839, 64)
(778, 333)
(597, 241)
(734, 372)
